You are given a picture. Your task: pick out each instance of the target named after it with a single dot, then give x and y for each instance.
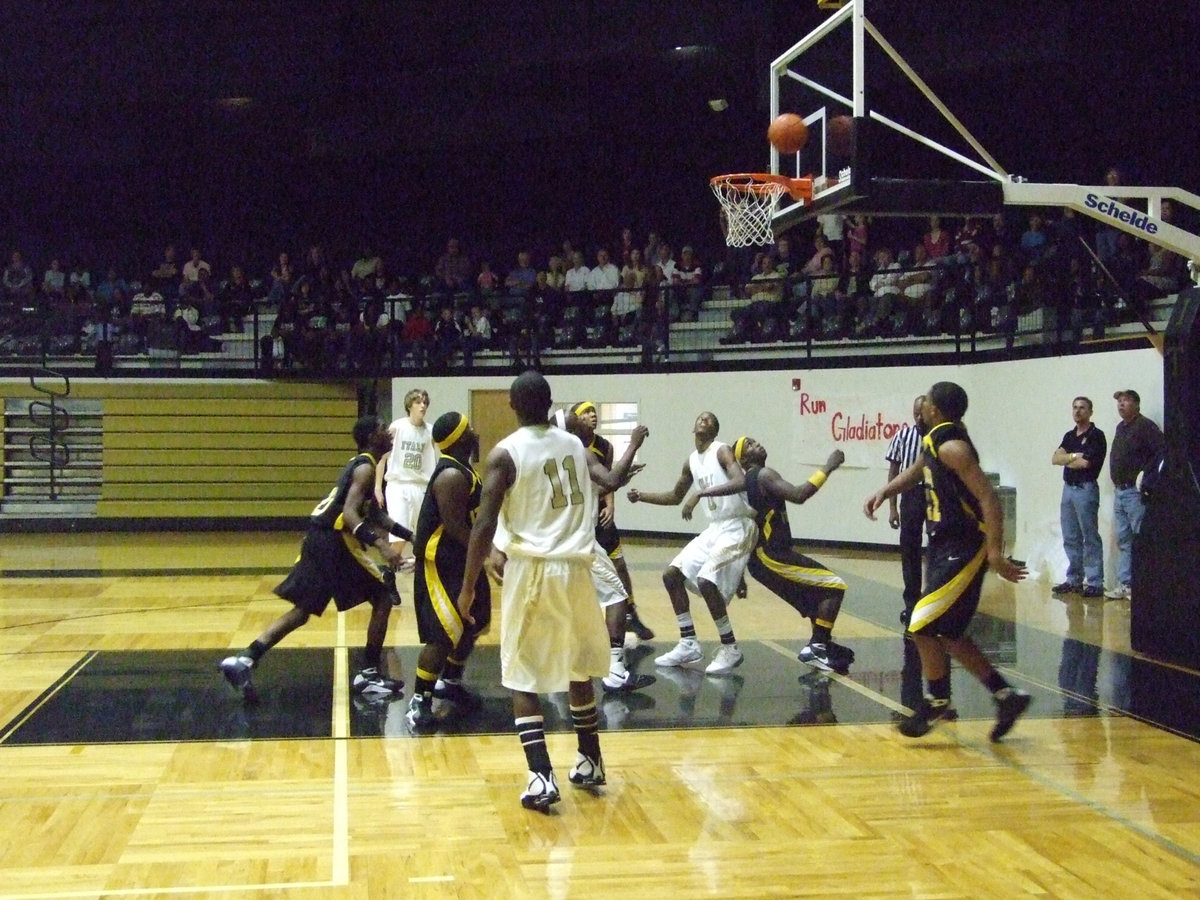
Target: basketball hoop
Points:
(748, 200)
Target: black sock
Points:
(371, 657)
(939, 689)
(587, 724)
(531, 730)
(995, 682)
(256, 650)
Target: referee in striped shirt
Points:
(909, 517)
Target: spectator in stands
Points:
(194, 266)
(282, 280)
(54, 283)
(936, 240)
(365, 266)
(627, 304)
(974, 233)
(663, 260)
(315, 263)
(857, 236)
(80, 278)
(833, 227)
(235, 299)
(447, 338)
(626, 247)
(577, 303)
(757, 320)
(521, 277)
(415, 337)
(148, 314)
(18, 281)
(1125, 265)
(687, 282)
(1033, 241)
(478, 334)
(650, 254)
(822, 314)
(885, 291)
(1106, 235)
(917, 286)
(852, 295)
(370, 337)
(453, 269)
(556, 274)
(166, 276)
(1164, 273)
(487, 281)
(108, 286)
(603, 281)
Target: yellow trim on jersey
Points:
(932, 605)
(443, 604)
(801, 574)
(359, 552)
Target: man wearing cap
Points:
(1081, 454)
(440, 547)
(1136, 445)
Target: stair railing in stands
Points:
(48, 447)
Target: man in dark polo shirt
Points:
(1136, 446)
(1081, 454)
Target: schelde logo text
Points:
(1115, 210)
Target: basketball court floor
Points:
(127, 768)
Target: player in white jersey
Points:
(403, 474)
(552, 634)
(713, 563)
(611, 589)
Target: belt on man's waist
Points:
(1124, 485)
(1079, 484)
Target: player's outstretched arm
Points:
(910, 477)
(672, 497)
(623, 469)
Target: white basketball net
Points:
(747, 205)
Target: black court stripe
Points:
(45, 696)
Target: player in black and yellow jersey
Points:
(333, 564)
(606, 524)
(803, 583)
(440, 546)
(965, 525)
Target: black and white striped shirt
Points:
(905, 447)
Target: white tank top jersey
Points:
(550, 510)
(413, 455)
(707, 471)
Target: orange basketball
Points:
(788, 133)
(840, 136)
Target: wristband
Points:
(398, 530)
(365, 534)
(817, 478)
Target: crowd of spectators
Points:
(974, 275)
(831, 279)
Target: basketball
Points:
(840, 136)
(788, 133)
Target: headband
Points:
(738, 447)
(453, 436)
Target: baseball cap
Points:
(1130, 393)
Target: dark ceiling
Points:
(252, 123)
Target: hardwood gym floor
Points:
(128, 769)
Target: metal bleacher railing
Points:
(944, 310)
